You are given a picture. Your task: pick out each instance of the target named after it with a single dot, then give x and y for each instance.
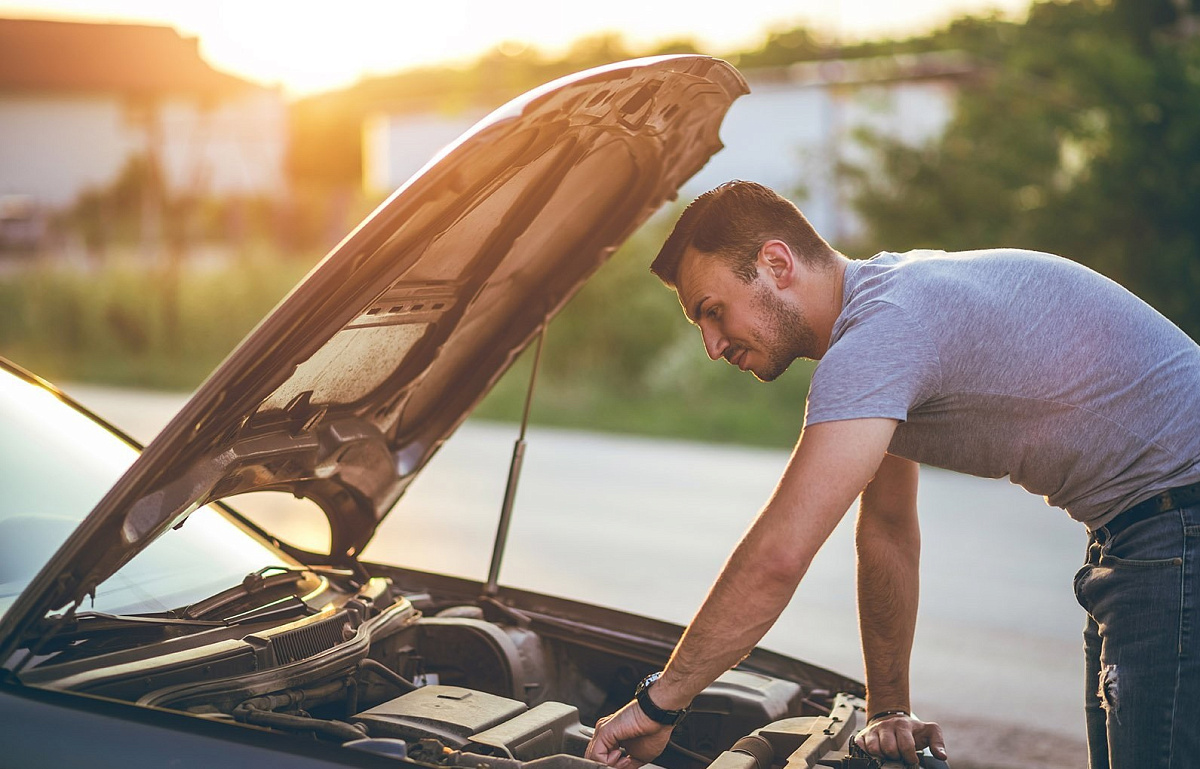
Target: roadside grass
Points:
(129, 325)
(735, 409)
(619, 358)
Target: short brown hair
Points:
(731, 222)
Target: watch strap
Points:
(652, 711)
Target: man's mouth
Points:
(737, 356)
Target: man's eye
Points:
(711, 312)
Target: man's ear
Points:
(777, 263)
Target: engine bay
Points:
(443, 682)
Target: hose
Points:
(261, 711)
(338, 729)
(389, 675)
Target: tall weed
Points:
(126, 324)
(620, 357)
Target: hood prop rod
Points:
(514, 473)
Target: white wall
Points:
(786, 135)
(236, 147)
(52, 148)
(792, 137)
(397, 146)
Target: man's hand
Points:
(627, 739)
(901, 737)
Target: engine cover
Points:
(450, 714)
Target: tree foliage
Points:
(326, 128)
(622, 357)
(1080, 137)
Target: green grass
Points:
(640, 369)
(130, 326)
(702, 400)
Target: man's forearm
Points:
(741, 607)
(830, 466)
(888, 544)
(887, 598)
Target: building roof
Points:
(135, 59)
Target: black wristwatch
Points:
(652, 711)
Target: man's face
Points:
(753, 326)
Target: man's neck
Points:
(823, 298)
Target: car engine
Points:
(448, 683)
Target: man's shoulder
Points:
(927, 263)
(923, 279)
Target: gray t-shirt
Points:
(1020, 364)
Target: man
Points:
(995, 363)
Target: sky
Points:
(306, 46)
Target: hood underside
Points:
(355, 380)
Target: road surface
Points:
(645, 524)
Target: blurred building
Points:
(80, 102)
(794, 131)
(800, 125)
(396, 146)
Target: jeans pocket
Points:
(1114, 562)
(1154, 543)
(1077, 583)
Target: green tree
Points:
(1081, 136)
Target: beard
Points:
(791, 336)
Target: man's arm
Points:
(831, 464)
(888, 541)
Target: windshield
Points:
(55, 465)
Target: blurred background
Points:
(169, 170)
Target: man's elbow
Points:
(782, 566)
(873, 534)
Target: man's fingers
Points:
(906, 746)
(935, 740)
(902, 738)
(615, 757)
(606, 755)
(626, 761)
(603, 745)
(867, 741)
(627, 739)
(887, 743)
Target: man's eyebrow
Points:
(694, 317)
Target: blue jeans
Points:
(1140, 589)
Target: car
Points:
(146, 622)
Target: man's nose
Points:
(714, 342)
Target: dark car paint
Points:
(47, 729)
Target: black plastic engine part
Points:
(450, 714)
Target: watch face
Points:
(656, 714)
(645, 682)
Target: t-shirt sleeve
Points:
(882, 363)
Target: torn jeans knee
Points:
(1109, 691)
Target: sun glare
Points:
(309, 47)
(306, 46)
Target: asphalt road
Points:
(644, 525)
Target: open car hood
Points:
(358, 376)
